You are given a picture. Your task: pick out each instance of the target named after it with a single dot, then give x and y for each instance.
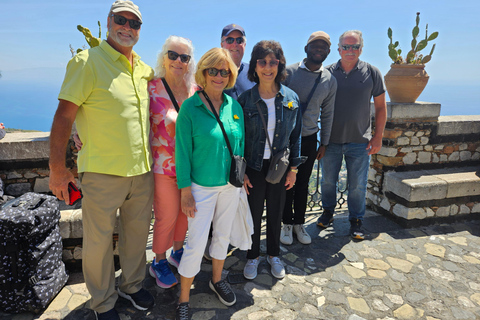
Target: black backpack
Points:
(31, 268)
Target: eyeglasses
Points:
(230, 40)
(263, 63)
(212, 72)
(172, 55)
(121, 20)
(347, 47)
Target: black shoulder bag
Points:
(170, 94)
(279, 162)
(239, 165)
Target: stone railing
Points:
(428, 167)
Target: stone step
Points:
(424, 185)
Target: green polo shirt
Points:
(201, 153)
(113, 115)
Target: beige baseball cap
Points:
(319, 35)
(122, 5)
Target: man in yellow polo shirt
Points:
(105, 91)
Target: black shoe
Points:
(224, 292)
(109, 315)
(183, 311)
(142, 300)
(356, 231)
(326, 219)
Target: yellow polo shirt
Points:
(113, 115)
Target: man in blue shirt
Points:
(234, 40)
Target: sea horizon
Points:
(32, 107)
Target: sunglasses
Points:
(346, 47)
(121, 20)
(172, 55)
(212, 72)
(263, 63)
(230, 40)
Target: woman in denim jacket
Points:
(279, 106)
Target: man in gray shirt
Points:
(316, 89)
(351, 137)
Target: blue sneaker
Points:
(326, 219)
(175, 257)
(162, 273)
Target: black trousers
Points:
(296, 197)
(274, 195)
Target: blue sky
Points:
(35, 36)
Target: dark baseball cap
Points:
(232, 27)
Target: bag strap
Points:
(219, 122)
(310, 95)
(265, 128)
(170, 94)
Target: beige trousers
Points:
(103, 195)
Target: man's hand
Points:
(374, 145)
(290, 180)
(58, 183)
(321, 152)
(188, 202)
(78, 142)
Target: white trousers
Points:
(217, 206)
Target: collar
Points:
(198, 102)
(114, 54)
(360, 64)
(302, 65)
(256, 95)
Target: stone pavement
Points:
(427, 273)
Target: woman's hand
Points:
(246, 183)
(290, 180)
(78, 142)
(188, 202)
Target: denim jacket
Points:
(288, 126)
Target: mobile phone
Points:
(74, 194)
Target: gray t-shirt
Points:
(301, 80)
(352, 120)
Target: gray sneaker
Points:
(250, 269)
(278, 271)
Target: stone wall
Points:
(416, 138)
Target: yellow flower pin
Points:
(290, 105)
(235, 117)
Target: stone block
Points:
(415, 185)
(30, 175)
(476, 208)
(41, 185)
(403, 141)
(458, 125)
(435, 158)
(429, 212)
(25, 146)
(389, 161)
(77, 253)
(410, 133)
(388, 152)
(465, 155)
(76, 225)
(443, 158)
(64, 224)
(453, 209)
(424, 157)
(420, 133)
(410, 158)
(17, 189)
(442, 212)
(454, 156)
(385, 204)
(464, 209)
(14, 175)
(412, 110)
(423, 141)
(414, 141)
(466, 183)
(427, 148)
(392, 134)
(408, 213)
(476, 156)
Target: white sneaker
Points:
(250, 269)
(286, 235)
(302, 235)
(278, 271)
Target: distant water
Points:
(32, 106)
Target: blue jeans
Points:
(357, 161)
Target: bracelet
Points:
(294, 170)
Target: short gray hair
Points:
(189, 77)
(349, 32)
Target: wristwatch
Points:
(294, 170)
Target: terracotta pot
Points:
(405, 82)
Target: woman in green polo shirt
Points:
(203, 166)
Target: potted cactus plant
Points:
(407, 76)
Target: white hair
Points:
(350, 32)
(189, 77)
